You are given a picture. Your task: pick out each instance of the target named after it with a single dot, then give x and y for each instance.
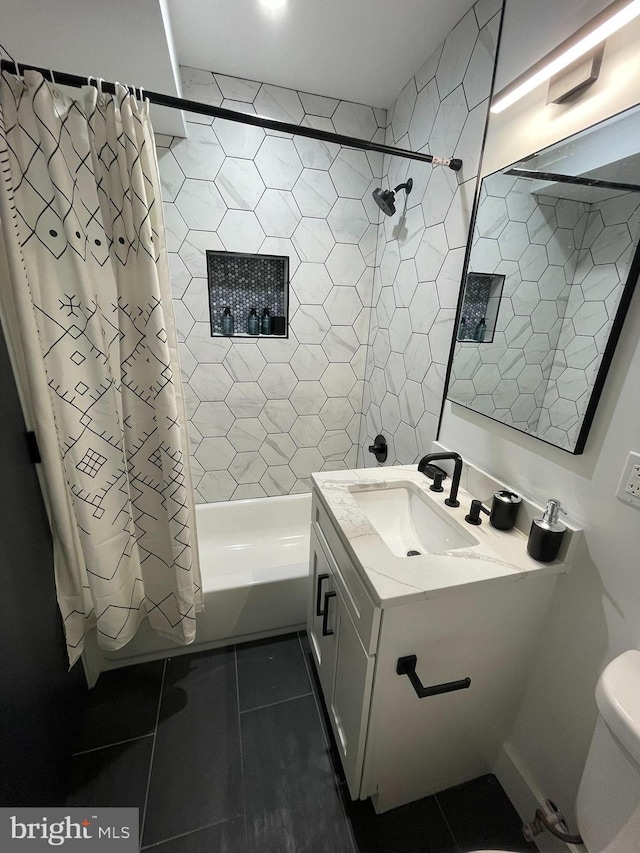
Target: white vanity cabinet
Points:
(343, 661)
(396, 747)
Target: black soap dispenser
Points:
(545, 536)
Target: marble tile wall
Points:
(264, 414)
(442, 110)
(563, 262)
(372, 303)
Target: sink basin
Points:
(408, 522)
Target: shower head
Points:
(385, 199)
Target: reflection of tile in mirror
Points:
(564, 253)
(480, 307)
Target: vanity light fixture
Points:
(273, 4)
(588, 37)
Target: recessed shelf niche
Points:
(244, 281)
(480, 303)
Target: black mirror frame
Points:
(612, 341)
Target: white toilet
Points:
(608, 804)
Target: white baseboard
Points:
(526, 798)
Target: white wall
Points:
(596, 611)
(530, 124)
(125, 40)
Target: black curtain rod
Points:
(172, 102)
(552, 177)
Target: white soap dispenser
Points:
(545, 536)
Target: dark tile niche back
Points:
(244, 281)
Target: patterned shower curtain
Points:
(88, 309)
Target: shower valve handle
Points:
(379, 448)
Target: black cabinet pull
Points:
(407, 666)
(319, 610)
(325, 614)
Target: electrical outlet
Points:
(629, 485)
(633, 483)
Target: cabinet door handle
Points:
(319, 610)
(407, 666)
(326, 632)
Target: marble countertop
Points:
(498, 556)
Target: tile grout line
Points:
(237, 680)
(278, 702)
(109, 745)
(185, 834)
(153, 751)
(336, 781)
(444, 817)
(244, 793)
(189, 832)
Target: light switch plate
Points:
(629, 485)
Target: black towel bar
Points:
(407, 666)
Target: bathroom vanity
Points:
(469, 606)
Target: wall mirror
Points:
(547, 283)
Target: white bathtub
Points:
(254, 560)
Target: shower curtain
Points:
(88, 310)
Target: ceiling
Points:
(358, 50)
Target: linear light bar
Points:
(611, 19)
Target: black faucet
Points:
(452, 500)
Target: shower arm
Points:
(408, 185)
(63, 79)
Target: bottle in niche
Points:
(462, 330)
(481, 328)
(253, 323)
(278, 325)
(227, 321)
(265, 322)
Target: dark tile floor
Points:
(228, 752)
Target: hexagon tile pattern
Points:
(442, 110)
(264, 414)
(372, 298)
(565, 263)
